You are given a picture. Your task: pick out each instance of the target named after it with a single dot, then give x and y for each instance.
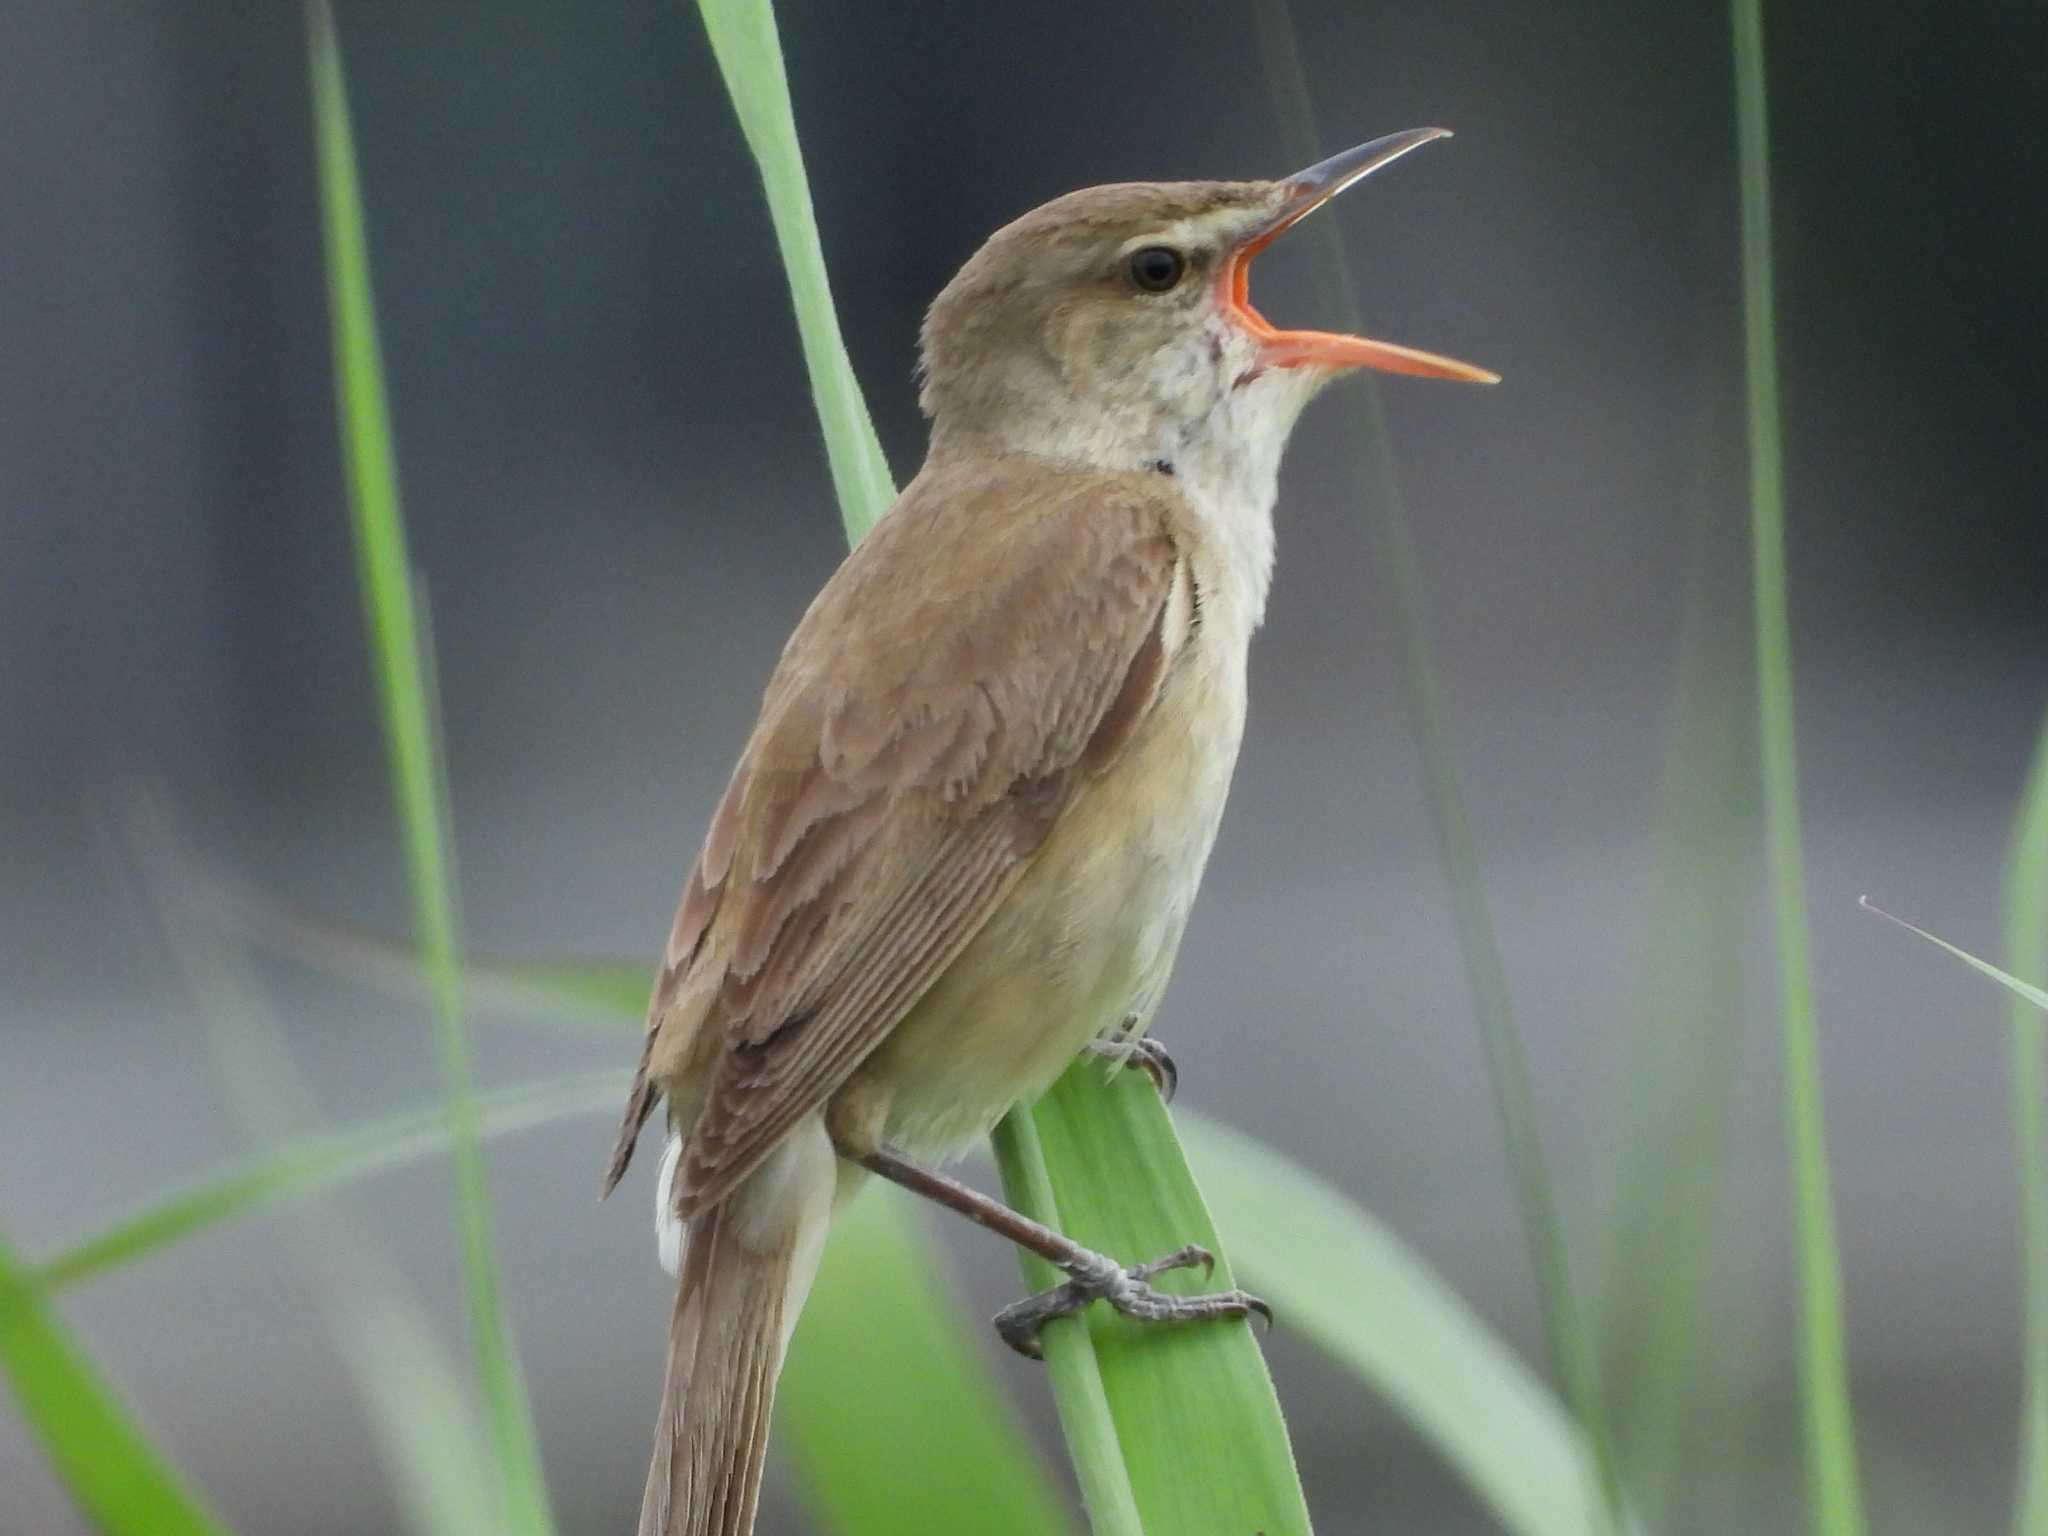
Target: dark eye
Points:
(1157, 268)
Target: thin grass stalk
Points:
(1401, 593)
(2026, 950)
(2035, 996)
(391, 613)
(1833, 1482)
(1086, 1422)
(744, 39)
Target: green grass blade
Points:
(2026, 951)
(1071, 1364)
(1195, 1418)
(1358, 1292)
(1401, 595)
(400, 660)
(1833, 1482)
(750, 57)
(122, 1484)
(1680, 1079)
(2025, 991)
(927, 1442)
(308, 1168)
(1059, 1168)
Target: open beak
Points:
(1309, 190)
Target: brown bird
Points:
(961, 844)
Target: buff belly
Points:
(1084, 941)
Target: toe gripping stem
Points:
(1091, 1276)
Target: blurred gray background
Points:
(618, 496)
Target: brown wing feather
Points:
(921, 736)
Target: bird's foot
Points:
(1145, 1053)
(1127, 1289)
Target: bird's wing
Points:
(920, 738)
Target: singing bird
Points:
(961, 843)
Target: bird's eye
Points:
(1157, 268)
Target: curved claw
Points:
(1021, 1333)
(1194, 1256)
(1158, 1065)
(1147, 1054)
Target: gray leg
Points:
(1095, 1276)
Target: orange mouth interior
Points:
(1324, 349)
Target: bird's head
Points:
(1114, 326)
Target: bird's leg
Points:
(1146, 1053)
(1093, 1276)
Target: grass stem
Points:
(1834, 1488)
(399, 657)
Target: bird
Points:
(960, 846)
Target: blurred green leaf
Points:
(1336, 1275)
(306, 1169)
(924, 1443)
(2026, 950)
(893, 1416)
(2026, 908)
(400, 659)
(1691, 1013)
(614, 992)
(1834, 1485)
(428, 1431)
(426, 1428)
(121, 1483)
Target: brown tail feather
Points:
(747, 1267)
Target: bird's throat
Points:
(1228, 467)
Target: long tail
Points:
(747, 1266)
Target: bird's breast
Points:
(1087, 937)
